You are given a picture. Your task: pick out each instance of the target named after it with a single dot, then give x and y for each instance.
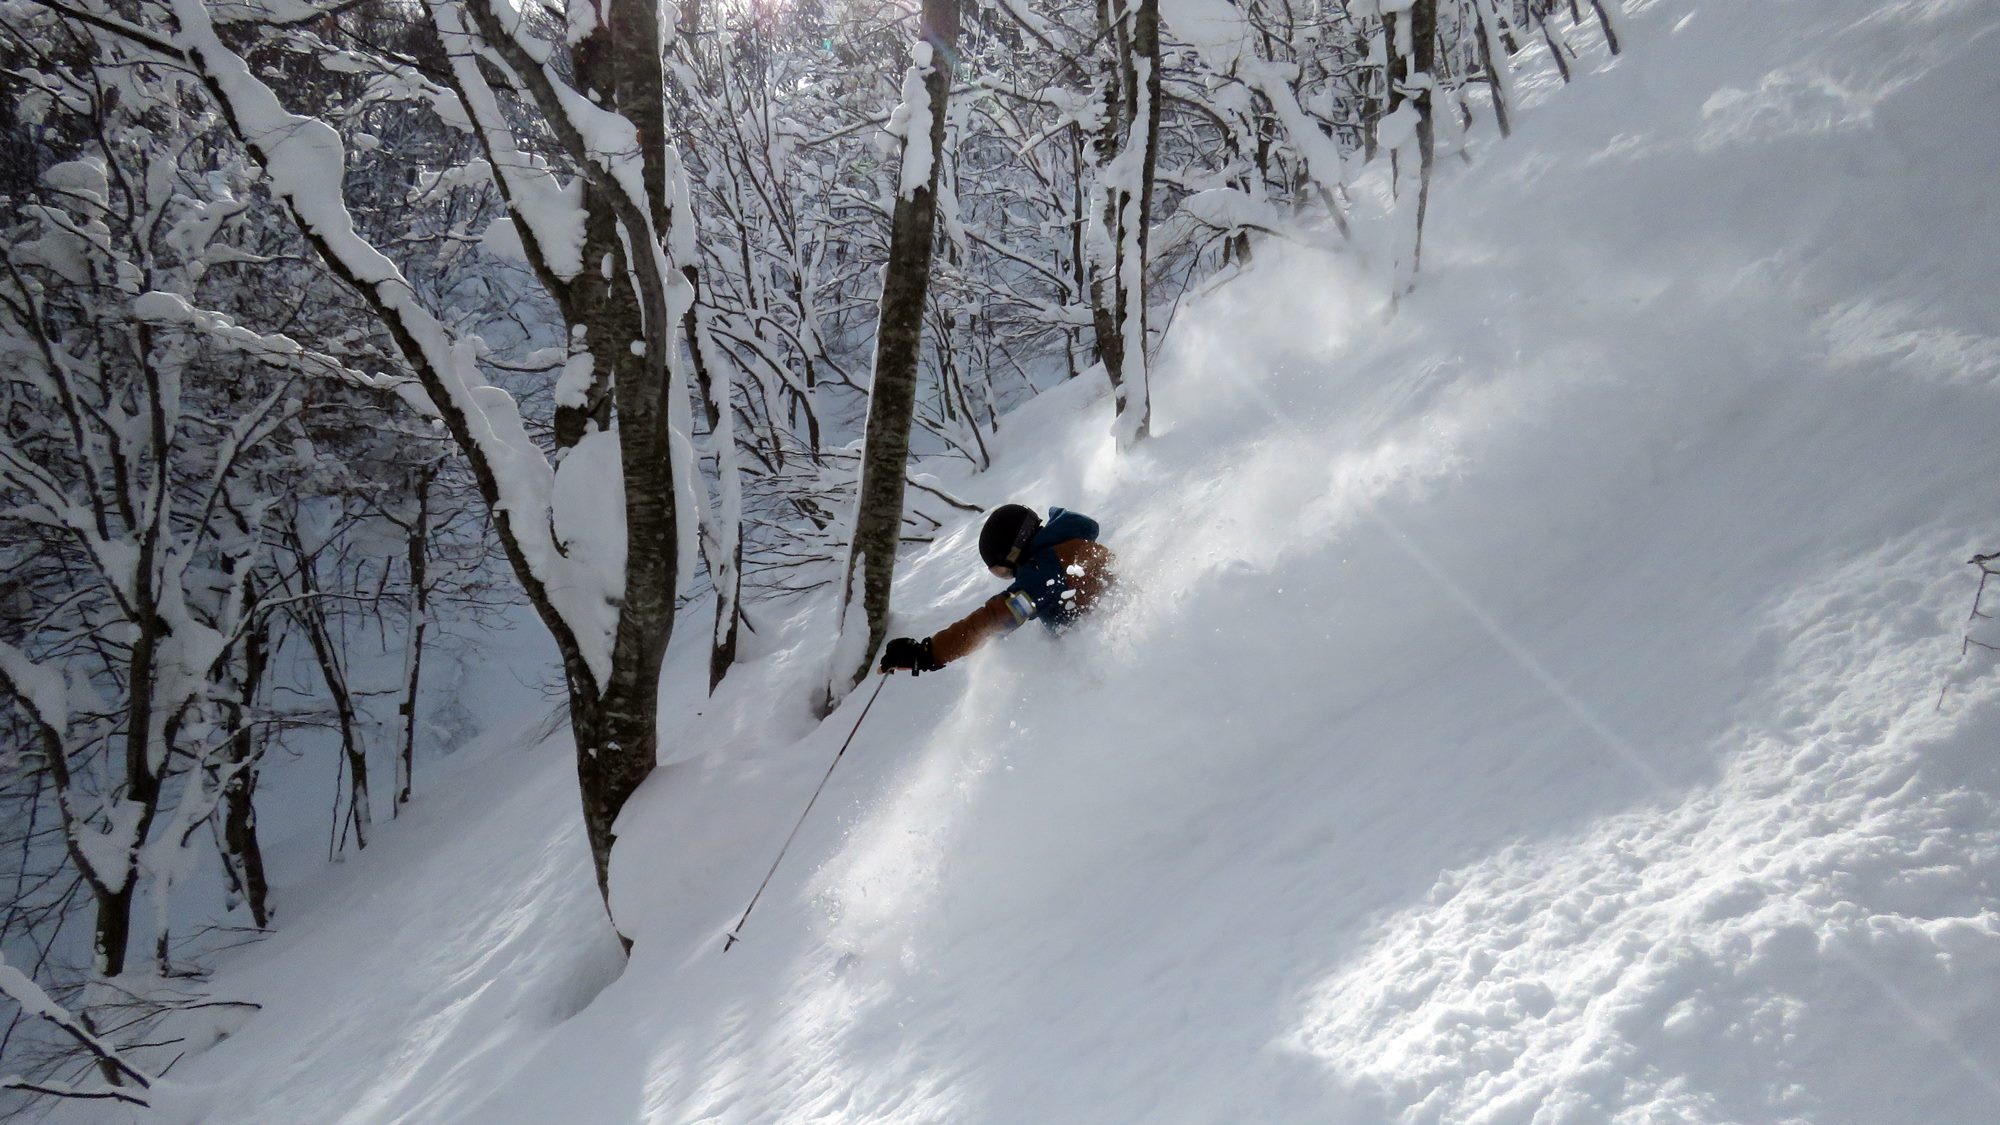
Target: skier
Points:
(1057, 571)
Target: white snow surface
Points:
(1524, 709)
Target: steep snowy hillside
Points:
(1545, 704)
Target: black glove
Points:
(908, 652)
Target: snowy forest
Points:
(1519, 480)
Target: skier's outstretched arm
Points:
(1001, 613)
(1088, 573)
(998, 614)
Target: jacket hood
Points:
(1064, 525)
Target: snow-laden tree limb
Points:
(302, 158)
(38, 1003)
(173, 310)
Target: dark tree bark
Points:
(624, 311)
(310, 613)
(1411, 80)
(1078, 261)
(1131, 117)
(1485, 35)
(892, 395)
(1107, 306)
(616, 723)
(1604, 20)
(1371, 106)
(141, 781)
(1555, 47)
(1146, 49)
(113, 930)
(1423, 33)
(413, 665)
(728, 577)
(242, 855)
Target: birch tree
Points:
(1409, 130)
(878, 509)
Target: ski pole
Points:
(735, 934)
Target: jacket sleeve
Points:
(995, 616)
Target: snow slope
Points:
(1544, 705)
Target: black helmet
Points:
(1004, 540)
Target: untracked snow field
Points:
(1543, 705)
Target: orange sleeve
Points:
(959, 638)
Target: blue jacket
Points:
(1040, 576)
(1066, 570)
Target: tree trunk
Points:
(1371, 106)
(1555, 48)
(1079, 265)
(310, 612)
(726, 555)
(1135, 403)
(113, 927)
(142, 784)
(1604, 20)
(239, 835)
(1411, 78)
(629, 329)
(1107, 300)
(242, 855)
(1495, 80)
(892, 395)
(1423, 32)
(1131, 118)
(617, 741)
(413, 661)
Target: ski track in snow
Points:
(1525, 709)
